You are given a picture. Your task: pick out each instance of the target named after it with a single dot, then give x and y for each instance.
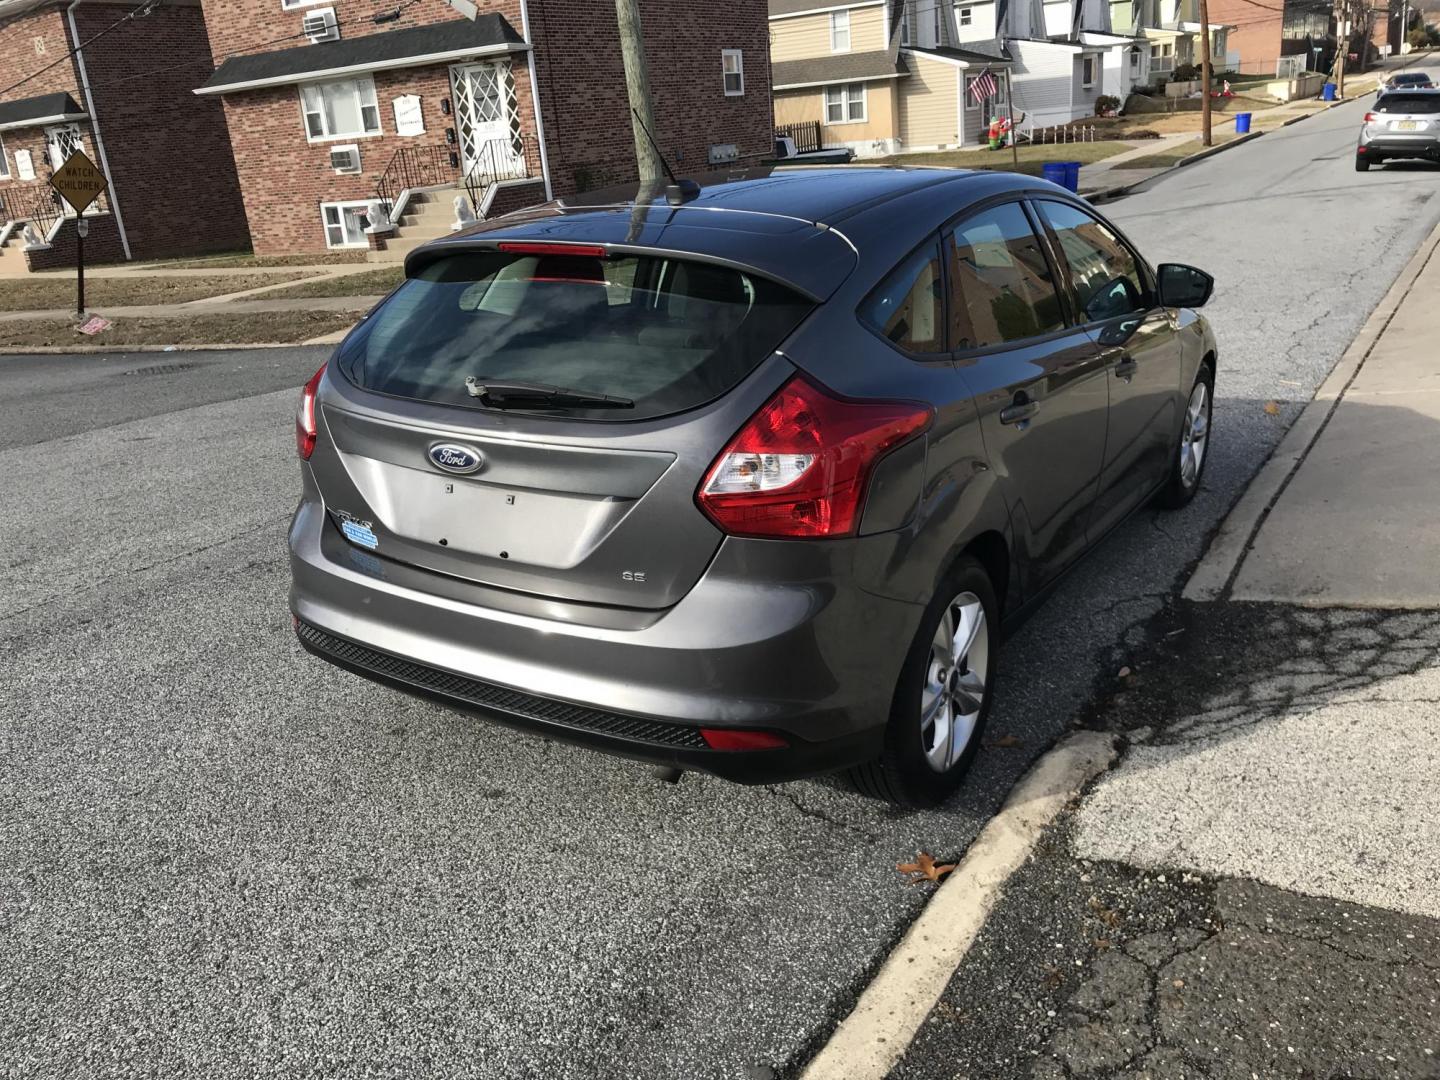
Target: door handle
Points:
(1019, 413)
(1126, 368)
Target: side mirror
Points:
(1184, 286)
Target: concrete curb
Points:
(1218, 568)
(875, 1035)
(120, 350)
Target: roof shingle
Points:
(838, 68)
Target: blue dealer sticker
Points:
(359, 532)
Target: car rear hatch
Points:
(1402, 116)
(535, 414)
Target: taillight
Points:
(800, 466)
(739, 739)
(305, 417)
(1371, 117)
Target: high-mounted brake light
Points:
(801, 465)
(516, 247)
(305, 429)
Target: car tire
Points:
(922, 764)
(1362, 164)
(1192, 444)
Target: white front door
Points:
(62, 141)
(482, 118)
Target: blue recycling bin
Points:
(1072, 176)
(1054, 171)
(1242, 123)
(1328, 93)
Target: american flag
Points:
(982, 86)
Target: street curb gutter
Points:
(1220, 565)
(869, 1042)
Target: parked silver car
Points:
(1401, 124)
(1406, 80)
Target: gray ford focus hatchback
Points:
(747, 479)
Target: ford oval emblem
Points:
(454, 458)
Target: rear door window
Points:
(907, 307)
(668, 334)
(1410, 104)
(1104, 273)
(1001, 287)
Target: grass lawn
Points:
(371, 283)
(235, 329)
(44, 294)
(245, 259)
(1031, 157)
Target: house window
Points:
(937, 24)
(4, 162)
(1087, 71)
(904, 26)
(1135, 60)
(345, 224)
(295, 5)
(345, 109)
(845, 104)
(732, 65)
(840, 31)
(965, 15)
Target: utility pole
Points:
(637, 84)
(1205, 136)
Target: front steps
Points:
(428, 215)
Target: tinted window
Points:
(1408, 103)
(906, 307)
(1107, 278)
(1000, 284)
(667, 333)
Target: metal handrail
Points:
(40, 206)
(496, 160)
(415, 167)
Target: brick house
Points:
(173, 186)
(359, 130)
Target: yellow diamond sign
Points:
(79, 181)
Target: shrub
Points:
(1143, 133)
(1419, 38)
(1185, 72)
(1106, 105)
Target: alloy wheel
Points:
(1196, 435)
(954, 692)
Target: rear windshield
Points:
(666, 333)
(1408, 103)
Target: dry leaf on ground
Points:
(1006, 742)
(1272, 408)
(924, 868)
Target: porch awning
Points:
(45, 109)
(839, 68)
(415, 46)
(974, 55)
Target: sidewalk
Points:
(1356, 525)
(212, 306)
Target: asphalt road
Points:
(218, 856)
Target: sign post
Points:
(79, 182)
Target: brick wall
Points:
(1256, 36)
(245, 26)
(582, 85)
(101, 246)
(285, 179)
(169, 151)
(26, 45)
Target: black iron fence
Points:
(37, 206)
(806, 135)
(495, 160)
(416, 167)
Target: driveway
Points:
(220, 857)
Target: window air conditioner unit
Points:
(321, 25)
(345, 159)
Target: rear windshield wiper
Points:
(504, 394)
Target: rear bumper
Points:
(1400, 146)
(773, 637)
